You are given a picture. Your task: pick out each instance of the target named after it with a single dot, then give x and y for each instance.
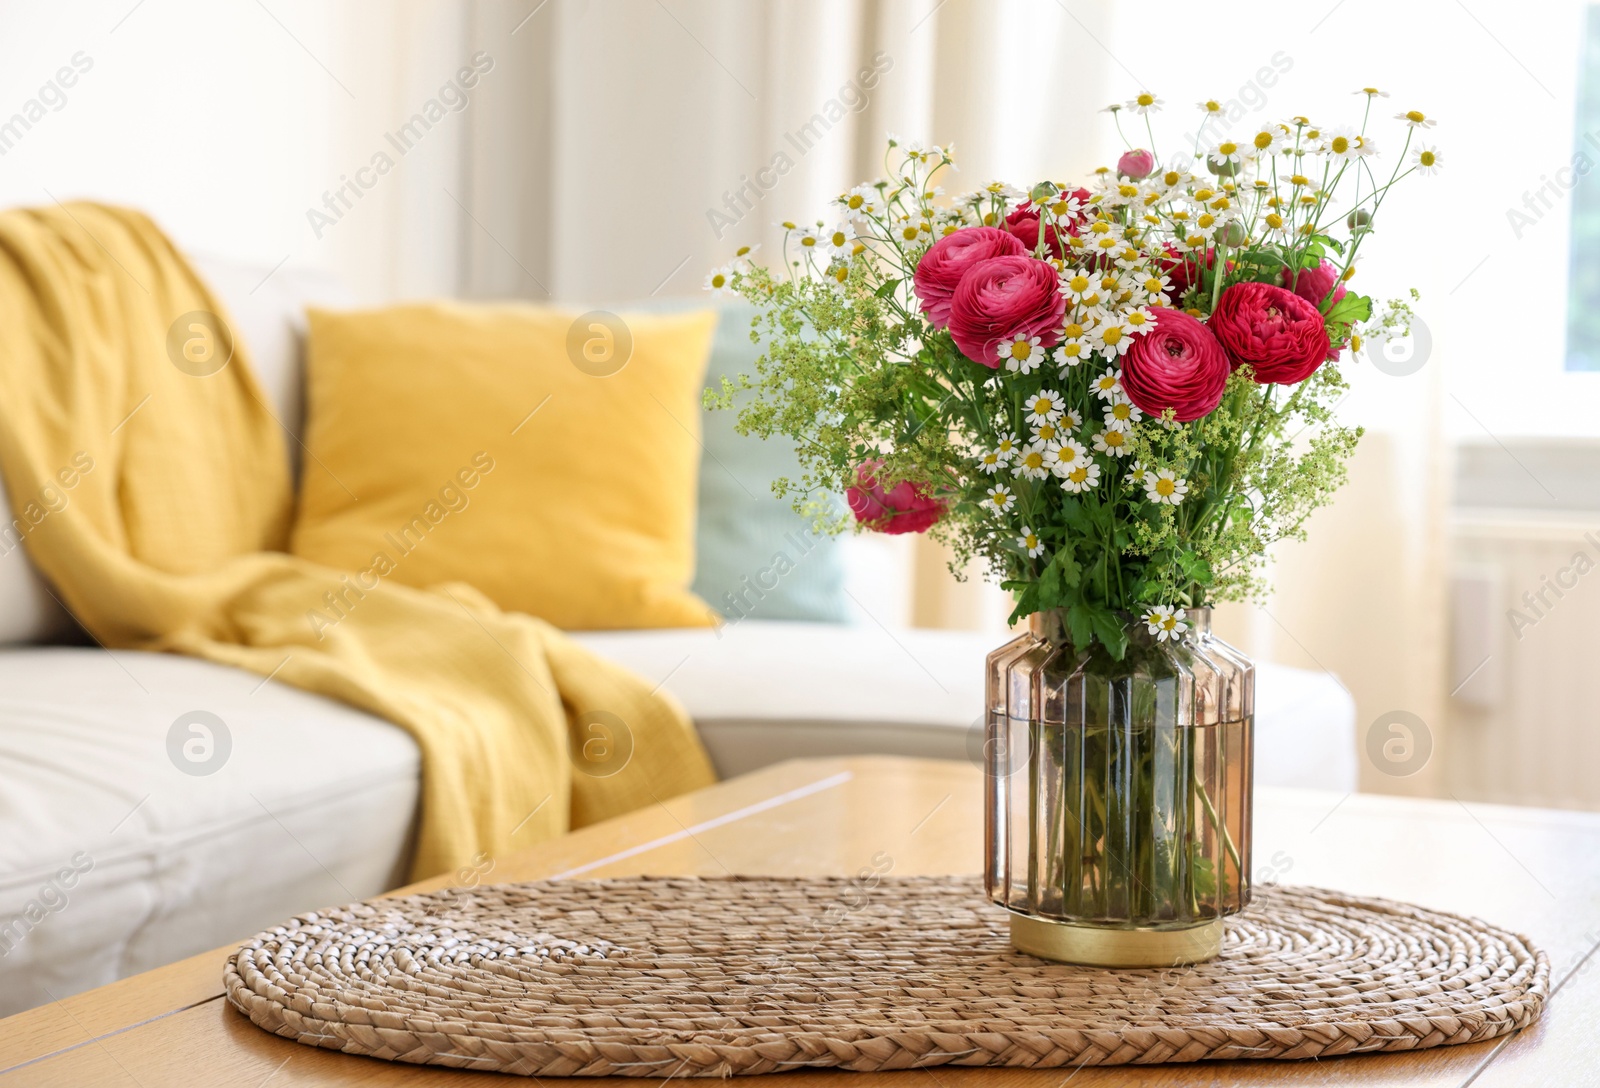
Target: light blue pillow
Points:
(755, 558)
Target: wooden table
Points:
(1532, 870)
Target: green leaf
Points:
(887, 288)
(1079, 627)
(1110, 633)
(1349, 310)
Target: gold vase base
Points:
(1103, 946)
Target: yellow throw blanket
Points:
(172, 534)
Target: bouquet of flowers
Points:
(1117, 396)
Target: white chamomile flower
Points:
(1144, 103)
(741, 255)
(1031, 463)
(1112, 339)
(1077, 282)
(1071, 420)
(1212, 108)
(1063, 456)
(1415, 119)
(1021, 354)
(1340, 143)
(839, 243)
(808, 239)
(1046, 433)
(1372, 92)
(862, 201)
(1229, 153)
(1267, 140)
(1108, 386)
(1427, 160)
(1135, 476)
(1006, 448)
(1165, 622)
(719, 281)
(1029, 542)
(1112, 443)
(1081, 477)
(912, 230)
(990, 462)
(1139, 320)
(1121, 415)
(999, 499)
(1069, 353)
(1045, 406)
(1165, 487)
(1155, 283)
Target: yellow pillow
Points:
(500, 445)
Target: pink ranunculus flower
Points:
(1277, 332)
(1136, 165)
(1002, 297)
(1313, 284)
(1178, 364)
(904, 508)
(947, 260)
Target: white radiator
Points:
(1525, 659)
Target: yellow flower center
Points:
(1078, 284)
(1340, 145)
(1415, 117)
(1071, 351)
(1046, 432)
(719, 280)
(1274, 220)
(1165, 486)
(1128, 191)
(1111, 334)
(1146, 99)
(1074, 330)
(855, 202)
(839, 238)
(1043, 405)
(1137, 319)
(1120, 411)
(1021, 349)
(1034, 460)
(1263, 141)
(1153, 286)
(1227, 147)
(1078, 475)
(807, 240)
(1426, 158)
(1212, 106)
(1171, 177)
(1114, 438)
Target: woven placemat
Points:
(670, 976)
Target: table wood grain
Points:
(1534, 871)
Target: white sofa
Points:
(114, 860)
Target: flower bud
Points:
(1222, 168)
(1232, 233)
(1136, 165)
(1042, 192)
(1360, 219)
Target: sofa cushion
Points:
(761, 692)
(135, 830)
(547, 458)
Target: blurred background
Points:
(600, 150)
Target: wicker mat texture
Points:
(681, 976)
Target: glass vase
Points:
(1119, 793)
